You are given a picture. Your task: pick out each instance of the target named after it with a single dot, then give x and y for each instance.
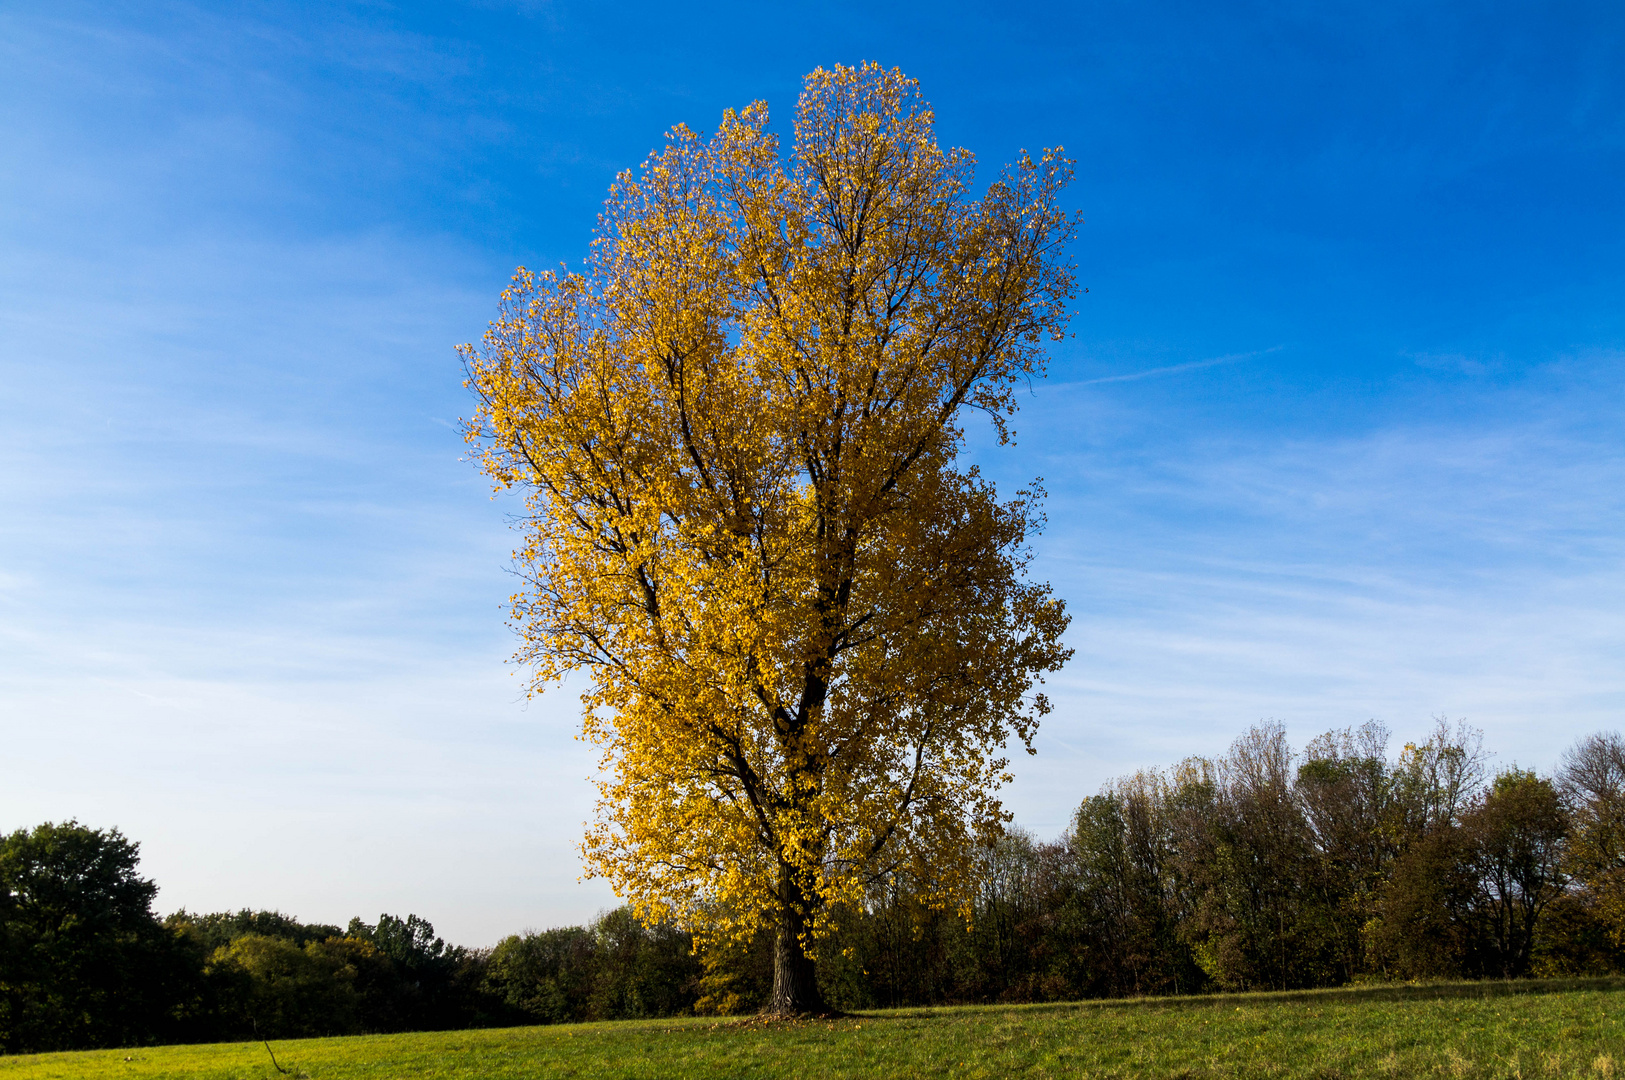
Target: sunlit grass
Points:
(1455, 1031)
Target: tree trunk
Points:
(795, 979)
(795, 976)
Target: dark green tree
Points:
(1517, 832)
(1124, 914)
(544, 978)
(84, 963)
(1426, 925)
(1346, 790)
(1248, 856)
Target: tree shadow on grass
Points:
(1419, 991)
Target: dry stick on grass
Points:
(255, 1025)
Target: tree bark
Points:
(795, 979)
(795, 975)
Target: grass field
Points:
(1551, 1029)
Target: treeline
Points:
(1267, 869)
(84, 962)
(1263, 869)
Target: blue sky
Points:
(1340, 435)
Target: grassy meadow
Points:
(1571, 1028)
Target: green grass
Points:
(1539, 1029)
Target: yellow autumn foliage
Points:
(809, 632)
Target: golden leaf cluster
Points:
(809, 633)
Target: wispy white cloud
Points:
(1473, 564)
(252, 600)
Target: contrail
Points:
(1192, 366)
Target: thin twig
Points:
(268, 1050)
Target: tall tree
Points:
(1518, 831)
(1123, 852)
(810, 631)
(1591, 780)
(1346, 789)
(1249, 855)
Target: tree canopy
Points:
(77, 933)
(809, 629)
